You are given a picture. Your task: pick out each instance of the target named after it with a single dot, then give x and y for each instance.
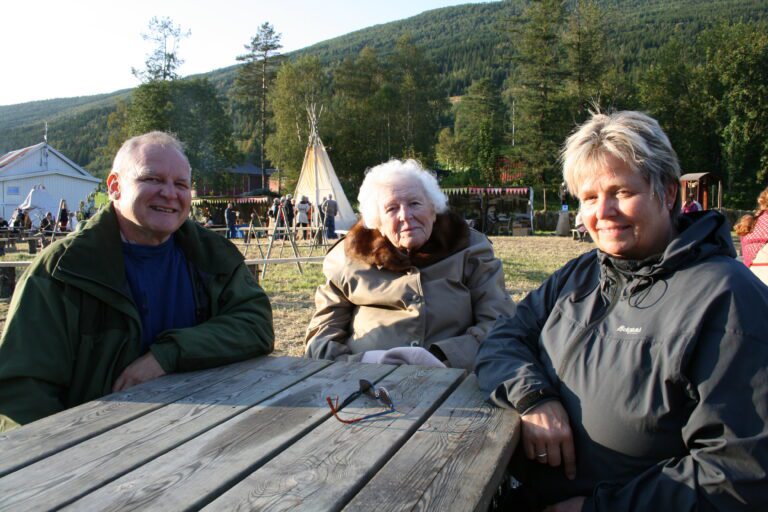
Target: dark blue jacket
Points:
(662, 367)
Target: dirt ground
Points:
(527, 261)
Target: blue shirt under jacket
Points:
(161, 287)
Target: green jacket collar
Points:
(94, 254)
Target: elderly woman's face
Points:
(406, 214)
(622, 215)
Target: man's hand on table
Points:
(141, 370)
(547, 437)
(569, 505)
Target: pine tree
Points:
(586, 55)
(191, 110)
(478, 130)
(164, 62)
(416, 98)
(359, 117)
(537, 88)
(255, 77)
(299, 85)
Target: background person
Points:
(230, 218)
(302, 219)
(411, 283)
(691, 205)
(321, 214)
(46, 224)
(73, 222)
(138, 292)
(639, 368)
(753, 233)
(580, 228)
(17, 220)
(63, 216)
(288, 208)
(330, 211)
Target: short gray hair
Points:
(632, 137)
(392, 172)
(125, 159)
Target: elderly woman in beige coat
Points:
(411, 283)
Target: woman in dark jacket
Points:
(640, 368)
(46, 224)
(63, 216)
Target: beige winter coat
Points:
(446, 296)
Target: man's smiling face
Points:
(152, 201)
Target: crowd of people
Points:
(64, 221)
(639, 370)
(284, 213)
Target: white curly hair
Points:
(396, 171)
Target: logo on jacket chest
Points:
(629, 330)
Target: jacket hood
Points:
(701, 235)
(450, 234)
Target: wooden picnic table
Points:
(259, 435)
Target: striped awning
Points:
(236, 200)
(496, 191)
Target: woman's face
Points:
(407, 216)
(623, 217)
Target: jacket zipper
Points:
(613, 301)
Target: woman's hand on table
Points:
(403, 355)
(547, 436)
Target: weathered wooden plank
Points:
(67, 475)
(326, 468)
(453, 462)
(23, 446)
(194, 473)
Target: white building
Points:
(40, 164)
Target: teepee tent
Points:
(318, 179)
(39, 202)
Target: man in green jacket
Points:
(138, 292)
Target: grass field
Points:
(527, 262)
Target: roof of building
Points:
(249, 168)
(8, 159)
(12, 156)
(695, 176)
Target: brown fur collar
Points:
(450, 234)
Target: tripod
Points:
(251, 233)
(280, 218)
(318, 228)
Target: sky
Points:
(64, 48)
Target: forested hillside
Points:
(476, 45)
